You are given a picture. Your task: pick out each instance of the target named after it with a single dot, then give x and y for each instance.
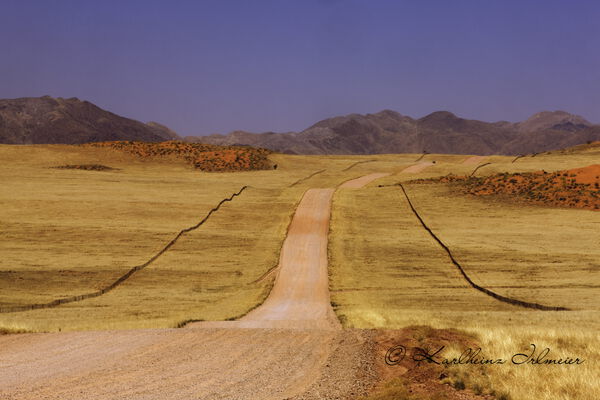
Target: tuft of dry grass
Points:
(13, 330)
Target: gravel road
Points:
(292, 346)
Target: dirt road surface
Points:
(300, 296)
(474, 160)
(292, 346)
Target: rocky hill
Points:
(72, 121)
(38, 120)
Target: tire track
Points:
(464, 274)
(362, 181)
(265, 275)
(421, 157)
(416, 168)
(127, 275)
(525, 155)
(356, 163)
(307, 177)
(479, 166)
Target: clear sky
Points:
(202, 67)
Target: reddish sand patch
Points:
(589, 175)
(201, 156)
(576, 188)
(424, 379)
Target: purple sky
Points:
(202, 67)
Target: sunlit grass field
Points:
(71, 232)
(387, 272)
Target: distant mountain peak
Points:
(439, 115)
(559, 119)
(388, 113)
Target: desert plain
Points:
(143, 277)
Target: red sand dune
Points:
(589, 174)
(577, 188)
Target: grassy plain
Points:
(387, 272)
(68, 232)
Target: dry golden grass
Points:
(387, 272)
(68, 232)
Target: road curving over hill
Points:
(474, 160)
(290, 347)
(300, 295)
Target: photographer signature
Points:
(395, 355)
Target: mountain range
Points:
(37, 120)
(439, 132)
